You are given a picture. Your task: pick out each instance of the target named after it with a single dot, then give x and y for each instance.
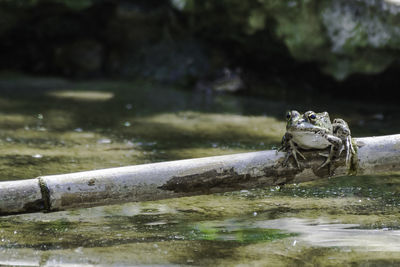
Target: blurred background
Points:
(345, 49)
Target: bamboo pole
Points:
(190, 177)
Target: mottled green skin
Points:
(315, 131)
(309, 130)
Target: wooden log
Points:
(190, 177)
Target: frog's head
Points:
(309, 121)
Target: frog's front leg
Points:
(291, 150)
(342, 130)
(336, 144)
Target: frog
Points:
(315, 131)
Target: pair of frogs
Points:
(316, 131)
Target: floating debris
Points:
(41, 129)
(104, 141)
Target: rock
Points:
(342, 37)
(345, 37)
(184, 41)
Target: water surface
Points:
(50, 126)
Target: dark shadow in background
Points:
(129, 39)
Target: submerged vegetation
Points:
(51, 126)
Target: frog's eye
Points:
(288, 115)
(312, 116)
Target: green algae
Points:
(208, 231)
(51, 126)
(60, 127)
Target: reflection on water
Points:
(156, 234)
(53, 126)
(323, 233)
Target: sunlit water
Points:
(50, 126)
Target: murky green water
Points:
(50, 126)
